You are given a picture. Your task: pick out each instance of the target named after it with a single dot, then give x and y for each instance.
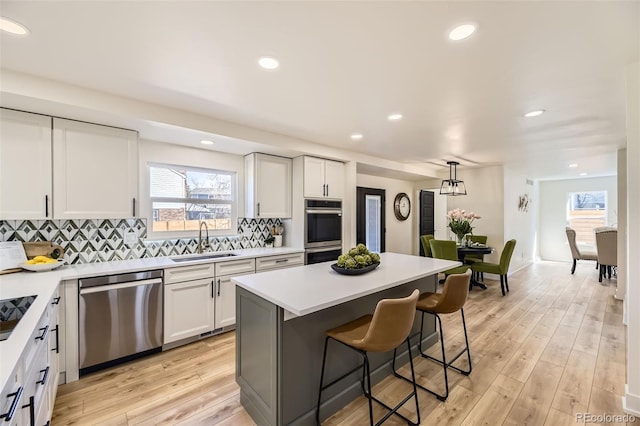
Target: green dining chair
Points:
(501, 268)
(424, 239)
(447, 249)
(470, 259)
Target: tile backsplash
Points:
(103, 240)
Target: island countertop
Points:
(306, 289)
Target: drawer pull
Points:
(56, 300)
(282, 260)
(57, 330)
(12, 410)
(44, 333)
(44, 376)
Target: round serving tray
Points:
(358, 271)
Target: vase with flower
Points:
(460, 223)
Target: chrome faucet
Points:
(207, 244)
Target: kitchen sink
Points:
(189, 258)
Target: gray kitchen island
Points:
(281, 318)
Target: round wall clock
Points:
(402, 206)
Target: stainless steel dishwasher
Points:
(120, 318)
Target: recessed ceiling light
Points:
(356, 136)
(462, 31)
(583, 174)
(394, 117)
(534, 113)
(268, 63)
(12, 27)
(206, 142)
(573, 165)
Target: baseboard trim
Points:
(630, 402)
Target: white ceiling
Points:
(345, 66)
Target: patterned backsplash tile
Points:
(88, 241)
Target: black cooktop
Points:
(11, 311)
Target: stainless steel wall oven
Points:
(322, 230)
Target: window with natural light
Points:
(181, 197)
(586, 211)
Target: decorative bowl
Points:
(41, 267)
(358, 271)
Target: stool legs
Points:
(445, 365)
(366, 386)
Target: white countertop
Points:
(306, 289)
(44, 284)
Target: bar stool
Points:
(386, 329)
(452, 299)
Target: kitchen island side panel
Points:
(257, 365)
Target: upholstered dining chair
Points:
(576, 253)
(501, 268)
(447, 249)
(607, 248)
(470, 259)
(424, 239)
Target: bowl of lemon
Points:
(42, 263)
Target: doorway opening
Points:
(370, 218)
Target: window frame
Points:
(189, 234)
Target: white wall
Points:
(400, 235)
(631, 400)
(485, 189)
(520, 224)
(552, 238)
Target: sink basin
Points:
(189, 258)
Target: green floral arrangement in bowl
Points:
(357, 260)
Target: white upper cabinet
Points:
(95, 171)
(268, 186)
(25, 165)
(323, 178)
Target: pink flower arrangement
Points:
(460, 222)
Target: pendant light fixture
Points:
(452, 186)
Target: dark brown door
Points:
(370, 227)
(427, 219)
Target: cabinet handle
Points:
(258, 212)
(44, 377)
(213, 289)
(282, 260)
(44, 333)
(56, 300)
(32, 411)
(12, 410)
(134, 207)
(324, 189)
(57, 348)
(46, 206)
(327, 190)
(218, 286)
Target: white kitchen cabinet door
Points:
(334, 179)
(314, 177)
(95, 171)
(25, 165)
(225, 311)
(268, 180)
(323, 178)
(188, 309)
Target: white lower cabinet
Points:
(188, 309)
(28, 396)
(225, 300)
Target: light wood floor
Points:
(554, 347)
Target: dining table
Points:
(474, 249)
